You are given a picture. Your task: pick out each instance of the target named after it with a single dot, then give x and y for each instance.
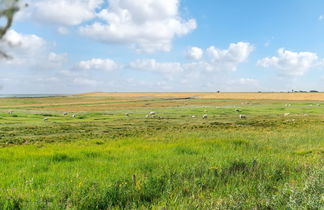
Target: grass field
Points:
(104, 159)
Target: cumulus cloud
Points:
(107, 65)
(219, 60)
(195, 53)
(289, 63)
(84, 81)
(23, 43)
(146, 25)
(230, 58)
(29, 51)
(60, 12)
(57, 58)
(246, 81)
(154, 66)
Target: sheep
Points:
(193, 116)
(127, 114)
(10, 112)
(242, 116)
(152, 113)
(286, 114)
(74, 115)
(45, 119)
(65, 113)
(205, 116)
(237, 110)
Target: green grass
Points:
(105, 160)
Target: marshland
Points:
(108, 152)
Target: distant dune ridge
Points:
(214, 95)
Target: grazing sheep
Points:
(65, 113)
(286, 114)
(151, 115)
(242, 116)
(193, 116)
(10, 112)
(127, 114)
(74, 115)
(237, 110)
(45, 119)
(205, 116)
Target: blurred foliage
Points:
(8, 8)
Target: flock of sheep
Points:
(205, 116)
(153, 114)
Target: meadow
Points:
(110, 155)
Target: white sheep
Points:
(151, 115)
(193, 116)
(74, 115)
(286, 114)
(242, 116)
(45, 119)
(205, 116)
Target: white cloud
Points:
(154, 66)
(84, 81)
(146, 25)
(29, 52)
(57, 58)
(289, 63)
(195, 53)
(321, 17)
(230, 58)
(107, 65)
(60, 12)
(247, 81)
(26, 43)
(219, 60)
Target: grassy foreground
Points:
(103, 159)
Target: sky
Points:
(76, 46)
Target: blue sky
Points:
(72, 46)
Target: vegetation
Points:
(104, 158)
